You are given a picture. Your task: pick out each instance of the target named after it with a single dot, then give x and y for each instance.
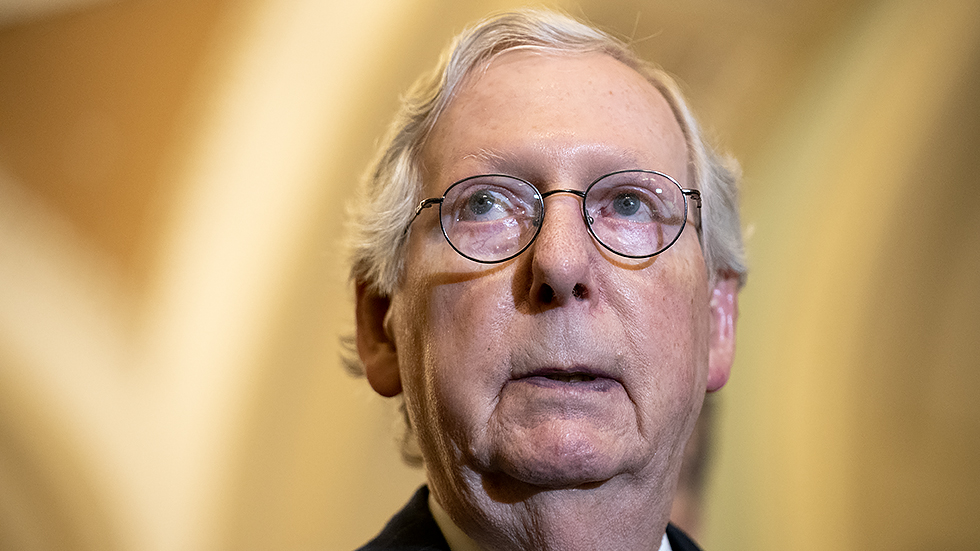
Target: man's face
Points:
(568, 365)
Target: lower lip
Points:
(599, 384)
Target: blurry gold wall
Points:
(172, 179)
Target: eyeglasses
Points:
(633, 213)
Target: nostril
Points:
(546, 294)
(580, 292)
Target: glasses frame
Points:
(540, 197)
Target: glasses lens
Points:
(491, 218)
(635, 213)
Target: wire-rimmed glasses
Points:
(494, 217)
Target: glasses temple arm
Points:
(693, 193)
(424, 204)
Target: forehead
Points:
(551, 116)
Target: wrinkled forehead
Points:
(553, 110)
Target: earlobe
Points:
(375, 345)
(724, 315)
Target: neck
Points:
(505, 515)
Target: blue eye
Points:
(626, 204)
(481, 202)
(490, 218)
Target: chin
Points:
(564, 462)
(560, 475)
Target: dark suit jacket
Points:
(414, 529)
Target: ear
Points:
(724, 314)
(375, 345)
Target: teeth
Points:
(571, 378)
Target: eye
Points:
(490, 218)
(483, 205)
(481, 202)
(484, 202)
(635, 197)
(626, 204)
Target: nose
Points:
(562, 254)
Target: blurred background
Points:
(173, 175)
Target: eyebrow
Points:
(594, 158)
(490, 157)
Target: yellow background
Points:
(172, 182)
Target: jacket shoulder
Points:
(411, 529)
(679, 541)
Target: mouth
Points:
(569, 379)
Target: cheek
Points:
(451, 353)
(692, 329)
(668, 325)
(468, 336)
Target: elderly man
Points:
(546, 258)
